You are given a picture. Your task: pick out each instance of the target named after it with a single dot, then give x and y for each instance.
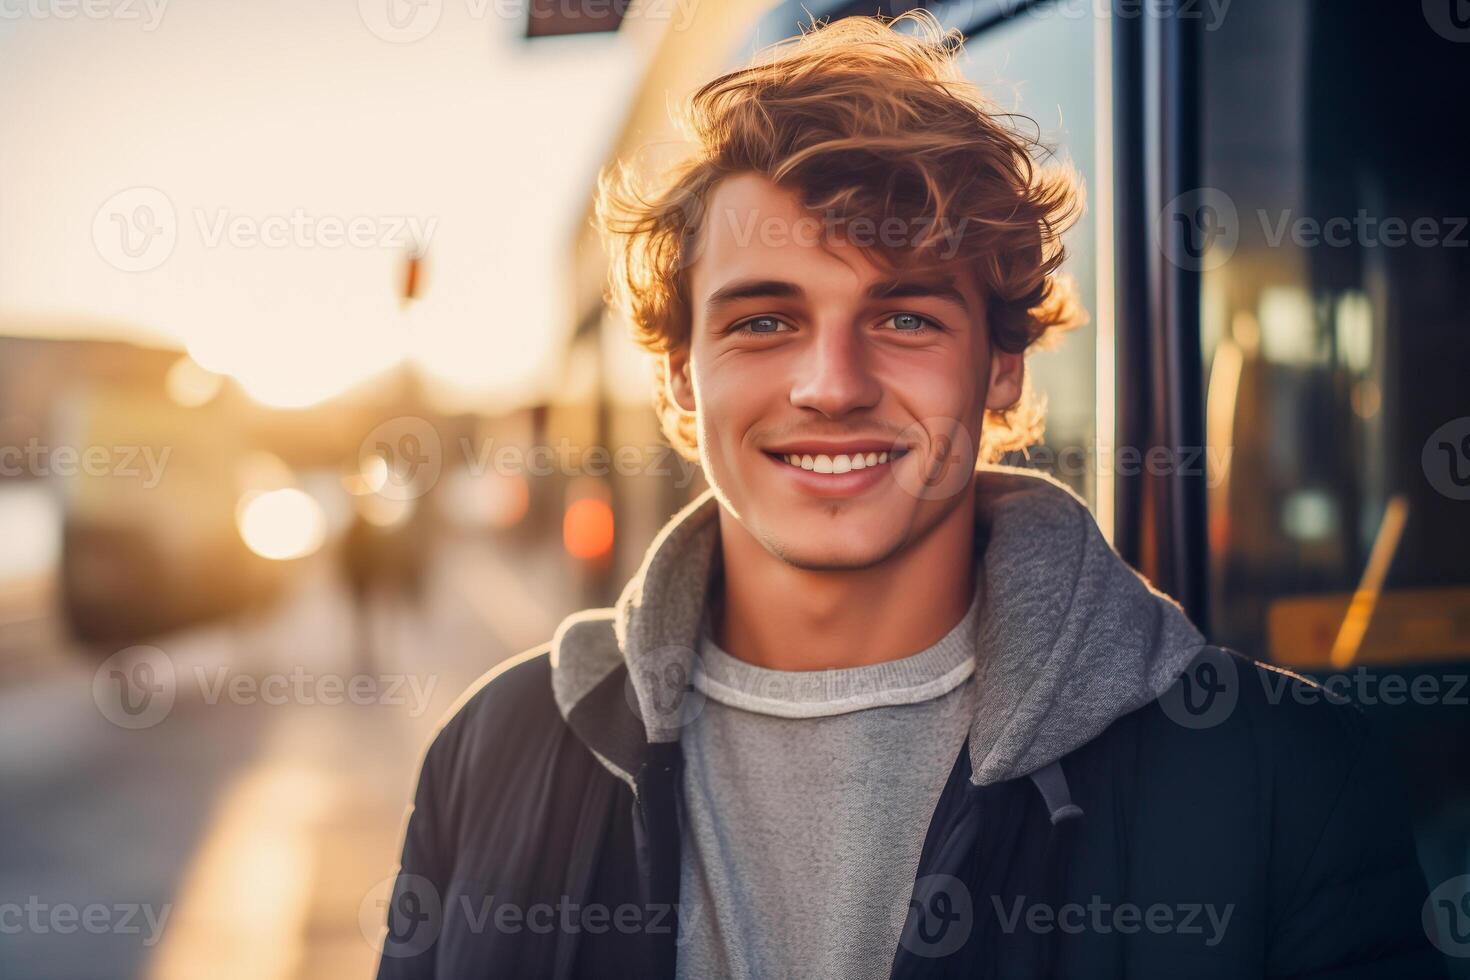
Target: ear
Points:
(676, 373)
(1007, 375)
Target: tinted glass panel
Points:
(1041, 65)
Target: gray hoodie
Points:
(1072, 637)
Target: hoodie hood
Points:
(1070, 638)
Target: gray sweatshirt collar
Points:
(931, 673)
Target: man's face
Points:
(800, 346)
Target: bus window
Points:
(1334, 302)
(1335, 265)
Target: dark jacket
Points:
(1137, 804)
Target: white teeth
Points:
(835, 463)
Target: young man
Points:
(868, 710)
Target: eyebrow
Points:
(743, 289)
(752, 289)
(943, 288)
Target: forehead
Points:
(754, 227)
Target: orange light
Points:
(412, 277)
(587, 528)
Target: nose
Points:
(832, 375)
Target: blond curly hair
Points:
(865, 120)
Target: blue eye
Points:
(911, 323)
(760, 324)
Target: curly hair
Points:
(865, 121)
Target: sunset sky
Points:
(246, 186)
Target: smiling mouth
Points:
(836, 463)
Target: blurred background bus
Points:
(307, 378)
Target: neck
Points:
(773, 614)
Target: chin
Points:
(838, 547)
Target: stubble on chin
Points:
(819, 556)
